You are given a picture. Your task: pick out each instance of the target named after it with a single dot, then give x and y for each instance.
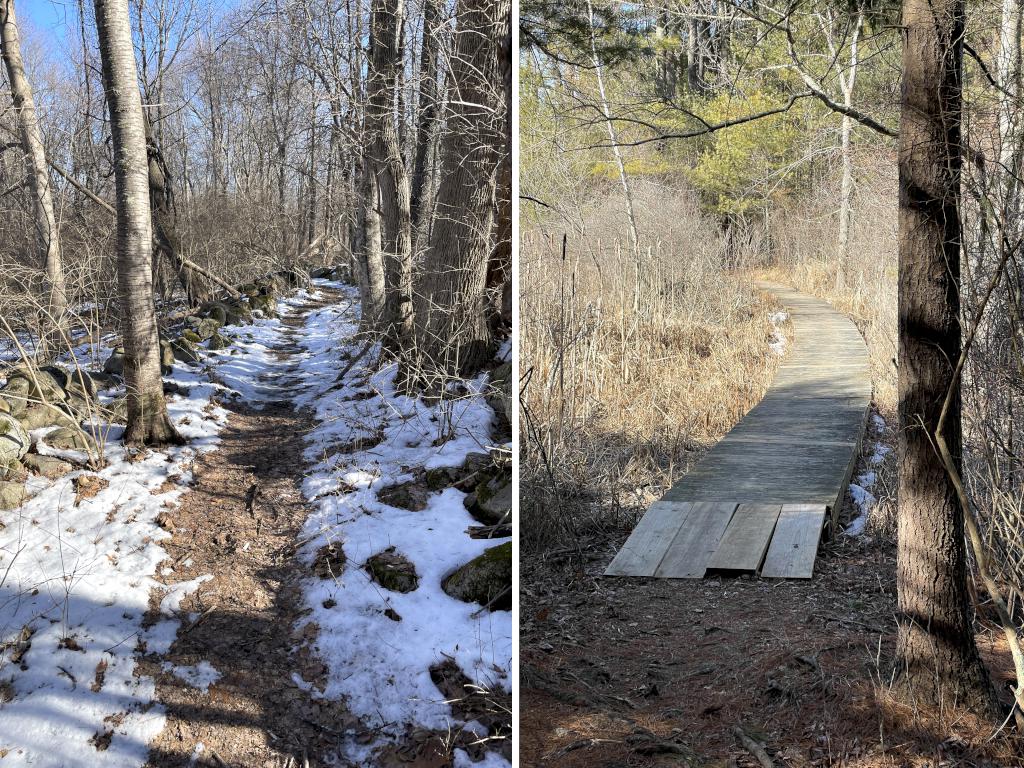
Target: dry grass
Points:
(623, 394)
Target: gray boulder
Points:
(114, 366)
(39, 416)
(491, 502)
(12, 494)
(14, 440)
(69, 439)
(484, 579)
(393, 571)
(49, 467)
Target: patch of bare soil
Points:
(730, 672)
(240, 522)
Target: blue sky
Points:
(47, 16)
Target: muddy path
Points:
(240, 523)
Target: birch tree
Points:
(148, 422)
(35, 161)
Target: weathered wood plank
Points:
(649, 541)
(794, 544)
(794, 450)
(688, 554)
(745, 541)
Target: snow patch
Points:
(200, 676)
(860, 491)
(778, 341)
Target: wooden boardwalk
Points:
(757, 502)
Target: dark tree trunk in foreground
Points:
(38, 172)
(937, 651)
(148, 422)
(451, 302)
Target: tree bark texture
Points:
(451, 301)
(38, 172)
(148, 422)
(385, 150)
(937, 652)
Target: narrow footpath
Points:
(240, 522)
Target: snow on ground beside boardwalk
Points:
(379, 666)
(863, 499)
(76, 580)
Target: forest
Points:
(256, 382)
(679, 162)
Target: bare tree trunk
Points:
(499, 271)
(450, 314)
(38, 172)
(367, 250)
(148, 422)
(937, 652)
(392, 180)
(427, 111)
(1008, 73)
(166, 243)
(847, 81)
(613, 138)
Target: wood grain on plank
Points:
(649, 541)
(745, 541)
(794, 544)
(688, 554)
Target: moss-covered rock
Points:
(264, 303)
(5, 407)
(189, 335)
(48, 466)
(39, 416)
(69, 439)
(114, 364)
(412, 496)
(218, 342)
(14, 440)
(12, 494)
(484, 579)
(393, 571)
(185, 350)
(491, 501)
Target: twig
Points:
(492, 601)
(755, 749)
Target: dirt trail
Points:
(240, 522)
